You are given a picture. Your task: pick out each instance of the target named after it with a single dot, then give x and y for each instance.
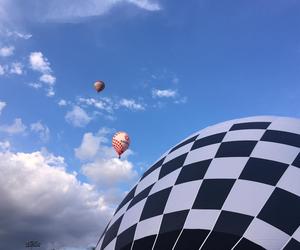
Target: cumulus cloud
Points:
(131, 104)
(42, 130)
(78, 117)
(2, 106)
(7, 51)
(101, 165)
(39, 63)
(41, 200)
(109, 172)
(17, 127)
(47, 78)
(89, 147)
(167, 93)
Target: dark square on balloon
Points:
(236, 149)
(282, 211)
(172, 165)
(264, 171)
(213, 193)
(125, 239)
(155, 204)
(192, 172)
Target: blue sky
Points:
(170, 69)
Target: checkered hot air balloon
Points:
(231, 186)
(120, 142)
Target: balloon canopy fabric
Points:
(235, 185)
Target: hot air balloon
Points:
(120, 142)
(231, 186)
(99, 85)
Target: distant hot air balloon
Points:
(120, 142)
(99, 85)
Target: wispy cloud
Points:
(109, 105)
(16, 68)
(63, 10)
(41, 129)
(131, 104)
(41, 64)
(103, 103)
(2, 106)
(2, 70)
(164, 93)
(78, 117)
(17, 127)
(35, 85)
(16, 34)
(7, 51)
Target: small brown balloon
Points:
(99, 85)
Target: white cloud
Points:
(17, 34)
(131, 104)
(62, 10)
(146, 4)
(2, 106)
(50, 92)
(89, 147)
(103, 103)
(109, 172)
(16, 68)
(102, 166)
(35, 85)
(16, 128)
(47, 78)
(62, 102)
(78, 117)
(7, 51)
(109, 105)
(41, 200)
(2, 70)
(181, 100)
(42, 130)
(39, 63)
(164, 93)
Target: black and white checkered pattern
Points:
(235, 185)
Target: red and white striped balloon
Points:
(120, 142)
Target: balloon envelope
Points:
(120, 142)
(99, 85)
(231, 186)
